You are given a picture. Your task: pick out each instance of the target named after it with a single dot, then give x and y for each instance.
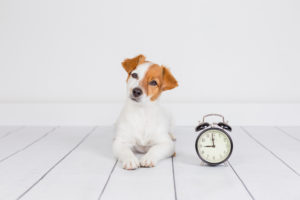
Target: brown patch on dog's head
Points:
(156, 80)
(130, 64)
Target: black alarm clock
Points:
(213, 144)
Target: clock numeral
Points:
(203, 140)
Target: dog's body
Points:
(143, 125)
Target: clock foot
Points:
(225, 164)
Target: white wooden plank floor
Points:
(77, 163)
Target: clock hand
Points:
(209, 146)
(213, 140)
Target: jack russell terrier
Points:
(143, 126)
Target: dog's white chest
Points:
(143, 126)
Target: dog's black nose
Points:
(137, 92)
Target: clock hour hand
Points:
(209, 146)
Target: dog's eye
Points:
(134, 75)
(153, 83)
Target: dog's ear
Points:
(130, 64)
(169, 82)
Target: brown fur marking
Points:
(169, 81)
(130, 64)
(165, 81)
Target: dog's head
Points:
(146, 80)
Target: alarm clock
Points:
(213, 144)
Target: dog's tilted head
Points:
(146, 80)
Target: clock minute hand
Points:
(213, 140)
(209, 146)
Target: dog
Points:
(143, 125)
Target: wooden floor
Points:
(69, 163)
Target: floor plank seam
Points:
(174, 180)
(12, 131)
(286, 133)
(241, 180)
(28, 145)
(108, 179)
(258, 142)
(57, 163)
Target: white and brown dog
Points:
(143, 126)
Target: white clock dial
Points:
(214, 146)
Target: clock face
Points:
(213, 146)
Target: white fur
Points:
(143, 127)
(132, 83)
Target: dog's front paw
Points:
(131, 163)
(148, 161)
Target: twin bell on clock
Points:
(213, 144)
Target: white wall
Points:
(220, 51)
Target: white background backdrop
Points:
(228, 55)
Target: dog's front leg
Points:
(157, 152)
(124, 153)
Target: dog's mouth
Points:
(134, 99)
